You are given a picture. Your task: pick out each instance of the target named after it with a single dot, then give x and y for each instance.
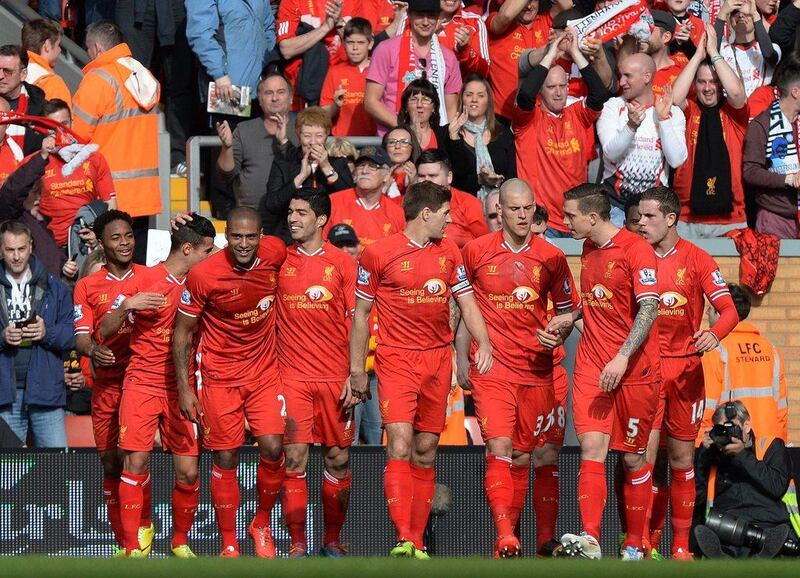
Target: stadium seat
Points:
(473, 430)
(80, 433)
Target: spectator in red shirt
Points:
(481, 150)
(343, 90)
(688, 27)
(709, 184)
(465, 33)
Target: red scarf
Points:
(17, 132)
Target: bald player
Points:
(642, 136)
(555, 141)
(513, 272)
(228, 302)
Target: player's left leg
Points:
(638, 491)
(546, 496)
(423, 475)
(294, 498)
(135, 475)
(682, 494)
(336, 486)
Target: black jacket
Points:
(274, 206)
(502, 150)
(746, 487)
(33, 139)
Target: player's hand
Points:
(636, 114)
(179, 220)
(35, 331)
(462, 372)
(704, 341)
(561, 324)
(664, 104)
(549, 340)
(224, 88)
(461, 38)
(359, 385)
(144, 301)
(70, 269)
(483, 358)
(346, 398)
(102, 355)
(613, 372)
(12, 335)
(225, 133)
(189, 404)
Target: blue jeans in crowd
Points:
(46, 423)
(368, 417)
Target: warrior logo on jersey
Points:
(318, 293)
(525, 294)
(435, 287)
(647, 276)
(265, 303)
(672, 300)
(363, 276)
(186, 297)
(77, 312)
(601, 292)
(717, 278)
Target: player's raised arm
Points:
(185, 326)
(473, 320)
(359, 343)
(116, 316)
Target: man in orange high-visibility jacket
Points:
(42, 39)
(116, 107)
(747, 367)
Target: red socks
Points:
(545, 503)
(592, 496)
(184, 505)
(499, 487)
(520, 479)
(225, 497)
(682, 497)
(130, 506)
(421, 500)
(398, 487)
(658, 514)
(335, 499)
(638, 493)
(111, 497)
(269, 480)
(295, 503)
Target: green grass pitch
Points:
(384, 568)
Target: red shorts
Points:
(226, 408)
(684, 396)
(555, 435)
(512, 410)
(413, 386)
(315, 414)
(626, 413)
(105, 415)
(141, 413)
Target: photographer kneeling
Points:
(741, 507)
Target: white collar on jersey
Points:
(252, 266)
(522, 249)
(111, 277)
(319, 251)
(413, 243)
(668, 253)
(360, 202)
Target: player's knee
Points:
(499, 447)
(112, 465)
(137, 462)
(270, 448)
(521, 459)
(337, 461)
(296, 457)
(633, 462)
(186, 474)
(682, 460)
(593, 449)
(226, 459)
(545, 455)
(399, 448)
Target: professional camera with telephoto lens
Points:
(722, 433)
(737, 532)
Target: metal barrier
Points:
(195, 143)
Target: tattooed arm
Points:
(185, 327)
(642, 324)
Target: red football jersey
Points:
(411, 286)
(466, 212)
(686, 273)
(150, 368)
(614, 278)
(237, 319)
(93, 297)
(370, 223)
(316, 296)
(512, 289)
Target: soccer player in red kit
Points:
(316, 297)
(93, 297)
(512, 273)
(149, 392)
(410, 278)
(229, 300)
(687, 276)
(617, 374)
